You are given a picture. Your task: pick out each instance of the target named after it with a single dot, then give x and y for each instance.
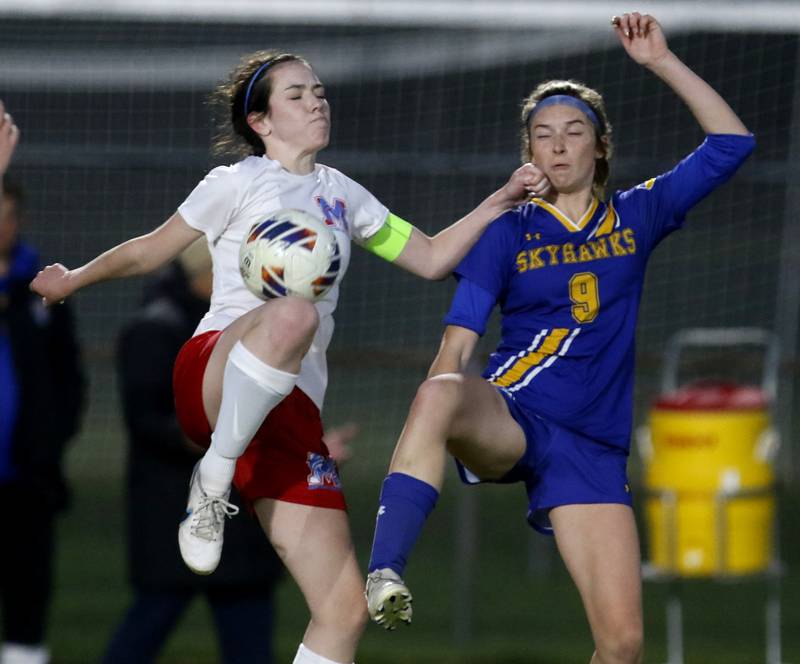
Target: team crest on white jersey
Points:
(323, 473)
(334, 215)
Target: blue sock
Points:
(405, 504)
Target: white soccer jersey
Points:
(230, 199)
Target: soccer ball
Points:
(290, 253)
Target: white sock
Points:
(306, 656)
(250, 390)
(18, 653)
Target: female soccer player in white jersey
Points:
(554, 406)
(254, 374)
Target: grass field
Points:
(525, 608)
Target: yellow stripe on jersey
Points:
(564, 219)
(391, 239)
(608, 222)
(549, 346)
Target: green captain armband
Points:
(391, 239)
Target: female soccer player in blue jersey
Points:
(250, 384)
(553, 408)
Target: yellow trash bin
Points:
(709, 481)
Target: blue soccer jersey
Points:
(569, 292)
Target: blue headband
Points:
(565, 100)
(253, 80)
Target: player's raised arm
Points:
(435, 257)
(136, 256)
(643, 39)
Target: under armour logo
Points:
(381, 510)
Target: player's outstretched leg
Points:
(388, 598)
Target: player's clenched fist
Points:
(526, 181)
(52, 283)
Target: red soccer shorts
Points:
(286, 460)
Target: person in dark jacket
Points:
(160, 462)
(42, 391)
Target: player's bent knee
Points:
(439, 396)
(291, 315)
(300, 314)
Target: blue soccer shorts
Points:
(561, 467)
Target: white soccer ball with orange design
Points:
(290, 253)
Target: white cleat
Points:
(388, 598)
(201, 530)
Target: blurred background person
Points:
(9, 135)
(42, 390)
(160, 462)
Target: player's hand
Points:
(53, 284)
(642, 37)
(527, 181)
(9, 136)
(337, 440)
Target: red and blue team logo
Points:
(334, 215)
(324, 474)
